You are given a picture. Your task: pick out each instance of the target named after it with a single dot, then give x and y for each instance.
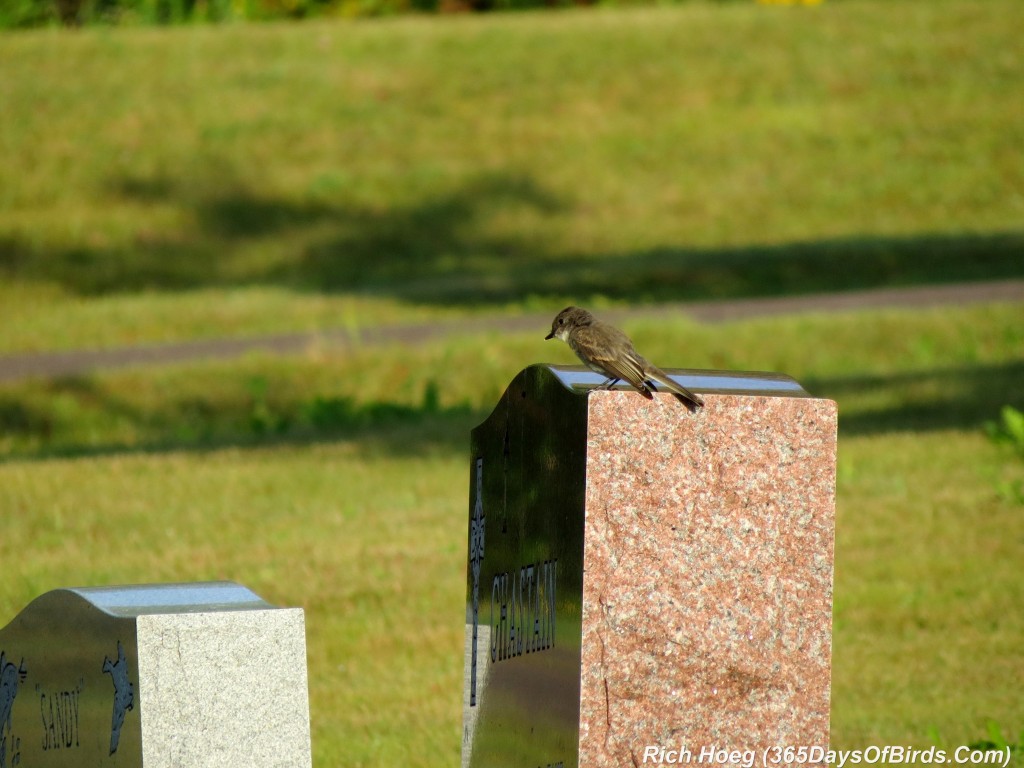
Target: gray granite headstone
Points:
(204, 674)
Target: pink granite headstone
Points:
(649, 585)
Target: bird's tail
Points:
(681, 393)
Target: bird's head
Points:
(568, 319)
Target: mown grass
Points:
(172, 183)
(163, 184)
(339, 483)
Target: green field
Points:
(166, 183)
(195, 182)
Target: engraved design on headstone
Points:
(10, 677)
(124, 694)
(476, 557)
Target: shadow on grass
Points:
(63, 418)
(949, 398)
(488, 240)
(74, 417)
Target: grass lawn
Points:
(201, 181)
(168, 184)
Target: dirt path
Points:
(76, 362)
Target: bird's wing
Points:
(613, 352)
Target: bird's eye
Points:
(561, 321)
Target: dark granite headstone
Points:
(641, 577)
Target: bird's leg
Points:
(608, 384)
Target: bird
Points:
(607, 350)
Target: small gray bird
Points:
(608, 351)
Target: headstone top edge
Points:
(582, 380)
(129, 601)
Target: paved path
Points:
(75, 362)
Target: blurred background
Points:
(319, 238)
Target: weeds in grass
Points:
(993, 741)
(996, 741)
(1008, 433)
(77, 416)
(337, 414)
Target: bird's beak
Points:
(549, 336)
